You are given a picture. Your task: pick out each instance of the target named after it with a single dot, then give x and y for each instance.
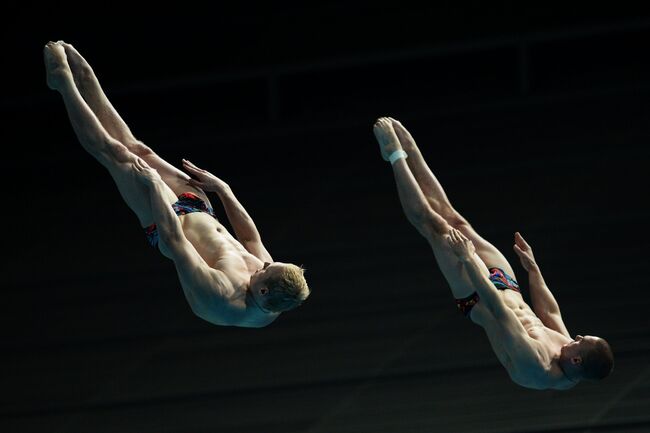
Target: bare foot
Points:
(81, 70)
(405, 137)
(56, 66)
(385, 134)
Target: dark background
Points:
(533, 119)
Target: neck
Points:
(568, 377)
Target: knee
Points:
(429, 224)
(456, 220)
(140, 149)
(115, 151)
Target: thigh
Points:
(490, 255)
(134, 193)
(453, 270)
(172, 176)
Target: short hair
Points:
(287, 290)
(597, 360)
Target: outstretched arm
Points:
(241, 222)
(207, 290)
(477, 272)
(517, 341)
(544, 303)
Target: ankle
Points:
(84, 76)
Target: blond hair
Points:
(287, 290)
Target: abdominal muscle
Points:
(211, 239)
(531, 325)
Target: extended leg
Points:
(437, 199)
(416, 208)
(93, 137)
(92, 92)
(418, 211)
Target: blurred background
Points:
(535, 119)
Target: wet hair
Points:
(597, 360)
(287, 289)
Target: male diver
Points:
(532, 344)
(226, 280)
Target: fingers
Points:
(196, 183)
(451, 239)
(453, 236)
(140, 164)
(188, 165)
(519, 240)
(457, 237)
(518, 250)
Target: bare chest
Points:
(214, 243)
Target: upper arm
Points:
(257, 248)
(525, 352)
(554, 321)
(546, 307)
(208, 290)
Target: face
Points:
(258, 279)
(573, 350)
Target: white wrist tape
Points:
(398, 154)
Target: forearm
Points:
(541, 297)
(168, 224)
(241, 222)
(478, 275)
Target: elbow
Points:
(425, 222)
(168, 234)
(199, 309)
(170, 242)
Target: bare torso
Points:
(221, 251)
(534, 365)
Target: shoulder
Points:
(550, 376)
(253, 320)
(564, 385)
(239, 311)
(244, 316)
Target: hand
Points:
(145, 173)
(525, 253)
(460, 245)
(204, 179)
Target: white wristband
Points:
(398, 154)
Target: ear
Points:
(576, 360)
(264, 291)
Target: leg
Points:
(94, 95)
(94, 138)
(439, 202)
(424, 218)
